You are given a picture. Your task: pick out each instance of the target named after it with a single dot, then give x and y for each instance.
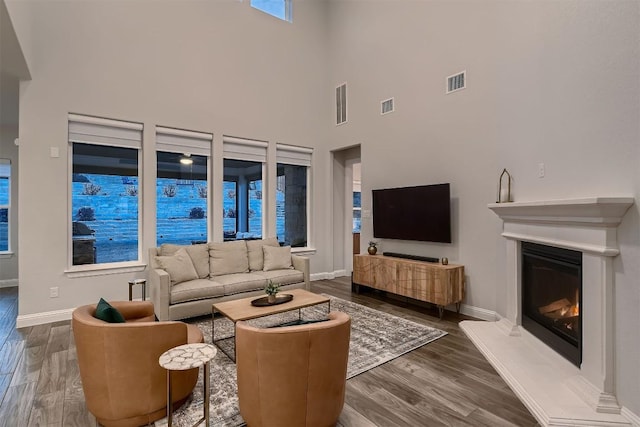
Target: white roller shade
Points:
(95, 130)
(244, 149)
(183, 141)
(292, 155)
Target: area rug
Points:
(376, 338)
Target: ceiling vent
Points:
(341, 104)
(386, 106)
(456, 82)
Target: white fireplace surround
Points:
(557, 392)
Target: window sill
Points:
(4, 255)
(303, 251)
(104, 269)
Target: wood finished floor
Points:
(445, 383)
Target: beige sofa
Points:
(185, 281)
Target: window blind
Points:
(96, 130)
(183, 141)
(293, 155)
(244, 149)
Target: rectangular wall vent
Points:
(456, 82)
(386, 106)
(341, 104)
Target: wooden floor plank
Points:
(16, 405)
(445, 383)
(29, 366)
(47, 409)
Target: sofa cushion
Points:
(179, 266)
(241, 282)
(228, 258)
(108, 313)
(199, 255)
(256, 256)
(276, 258)
(282, 277)
(195, 290)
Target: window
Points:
(182, 186)
(292, 195)
(5, 203)
(357, 211)
(278, 8)
(243, 215)
(242, 199)
(104, 190)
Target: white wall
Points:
(220, 67)
(553, 82)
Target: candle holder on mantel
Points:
(504, 187)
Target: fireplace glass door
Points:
(551, 292)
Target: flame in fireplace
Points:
(575, 310)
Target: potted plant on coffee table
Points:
(271, 290)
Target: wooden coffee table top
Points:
(241, 309)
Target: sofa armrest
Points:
(160, 287)
(301, 263)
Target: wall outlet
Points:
(54, 152)
(540, 170)
(53, 292)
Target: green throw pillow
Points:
(106, 312)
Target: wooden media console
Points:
(425, 281)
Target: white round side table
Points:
(182, 358)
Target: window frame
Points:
(246, 150)
(191, 143)
(298, 156)
(249, 178)
(84, 270)
(6, 161)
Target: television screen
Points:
(420, 213)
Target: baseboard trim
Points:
(633, 418)
(9, 283)
(329, 275)
(479, 313)
(25, 320)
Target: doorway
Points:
(346, 208)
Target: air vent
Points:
(386, 106)
(456, 82)
(341, 104)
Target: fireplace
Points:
(555, 390)
(551, 290)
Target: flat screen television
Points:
(420, 213)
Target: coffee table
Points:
(241, 309)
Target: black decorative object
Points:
(504, 187)
(264, 301)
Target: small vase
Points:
(271, 298)
(372, 250)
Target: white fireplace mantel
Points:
(555, 391)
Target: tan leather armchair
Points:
(293, 375)
(122, 381)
